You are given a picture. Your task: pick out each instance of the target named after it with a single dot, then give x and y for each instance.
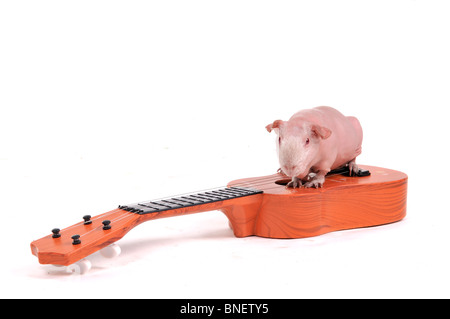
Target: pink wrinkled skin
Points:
(315, 141)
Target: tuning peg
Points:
(56, 233)
(87, 219)
(76, 239)
(106, 224)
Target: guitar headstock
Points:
(67, 246)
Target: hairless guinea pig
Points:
(315, 141)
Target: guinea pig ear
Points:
(320, 131)
(274, 126)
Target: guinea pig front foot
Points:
(294, 183)
(316, 182)
(353, 168)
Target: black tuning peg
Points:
(56, 233)
(106, 224)
(76, 239)
(87, 219)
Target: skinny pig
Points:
(315, 141)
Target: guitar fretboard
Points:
(217, 195)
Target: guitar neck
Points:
(197, 199)
(73, 243)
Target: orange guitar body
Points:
(342, 203)
(275, 212)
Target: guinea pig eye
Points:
(279, 140)
(307, 141)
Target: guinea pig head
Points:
(298, 145)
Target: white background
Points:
(113, 102)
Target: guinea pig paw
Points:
(352, 168)
(310, 177)
(294, 183)
(314, 183)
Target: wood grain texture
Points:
(279, 212)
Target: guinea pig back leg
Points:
(352, 167)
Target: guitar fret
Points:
(166, 204)
(172, 203)
(193, 200)
(222, 194)
(233, 192)
(179, 200)
(209, 196)
(225, 193)
(199, 196)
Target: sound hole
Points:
(283, 181)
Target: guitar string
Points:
(98, 217)
(251, 184)
(257, 181)
(77, 224)
(261, 181)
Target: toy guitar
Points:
(260, 206)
